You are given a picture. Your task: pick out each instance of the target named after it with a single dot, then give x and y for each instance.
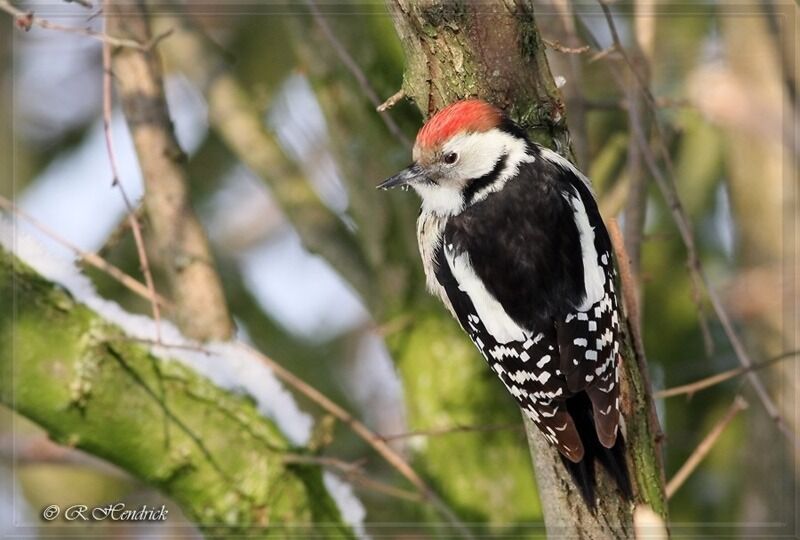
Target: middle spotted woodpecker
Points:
(512, 242)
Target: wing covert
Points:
(527, 363)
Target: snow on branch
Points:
(226, 364)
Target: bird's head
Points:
(462, 154)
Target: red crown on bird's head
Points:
(467, 116)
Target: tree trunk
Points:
(494, 51)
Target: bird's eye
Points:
(450, 158)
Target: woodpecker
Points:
(513, 244)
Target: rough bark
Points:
(201, 309)
(91, 388)
(493, 51)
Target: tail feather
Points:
(611, 459)
(582, 474)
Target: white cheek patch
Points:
(480, 152)
(495, 319)
(594, 278)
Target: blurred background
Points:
(723, 79)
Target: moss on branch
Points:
(90, 387)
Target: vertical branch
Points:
(354, 69)
(133, 220)
(201, 310)
(239, 122)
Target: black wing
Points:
(589, 338)
(529, 368)
(526, 248)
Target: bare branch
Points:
(112, 158)
(27, 19)
(667, 187)
(452, 429)
(239, 123)
(705, 446)
(556, 46)
(356, 71)
(352, 473)
(367, 435)
(201, 308)
(90, 258)
(707, 382)
(391, 101)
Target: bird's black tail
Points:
(612, 459)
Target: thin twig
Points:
(599, 55)
(118, 233)
(356, 71)
(370, 437)
(556, 46)
(667, 187)
(26, 19)
(391, 101)
(636, 200)
(83, 3)
(707, 382)
(112, 158)
(325, 461)
(92, 259)
(696, 268)
(166, 345)
(435, 432)
(705, 446)
(644, 87)
(381, 487)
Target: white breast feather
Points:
(430, 228)
(491, 312)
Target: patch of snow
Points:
(350, 507)
(229, 366)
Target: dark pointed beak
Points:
(407, 176)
